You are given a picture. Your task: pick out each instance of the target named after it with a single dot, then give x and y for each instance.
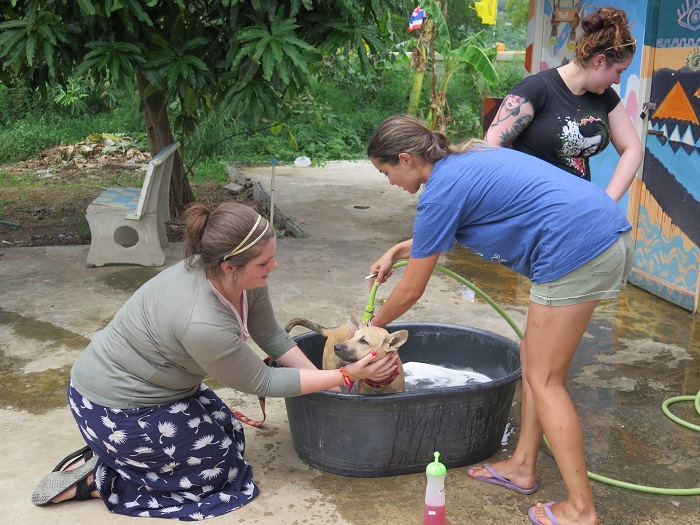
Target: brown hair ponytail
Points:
(212, 236)
(407, 134)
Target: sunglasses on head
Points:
(617, 48)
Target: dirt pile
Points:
(44, 199)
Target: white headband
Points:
(240, 248)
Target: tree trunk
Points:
(155, 117)
(419, 63)
(416, 92)
(436, 117)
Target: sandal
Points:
(84, 453)
(60, 479)
(83, 491)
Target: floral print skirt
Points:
(183, 460)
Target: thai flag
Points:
(416, 20)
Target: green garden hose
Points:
(369, 312)
(369, 309)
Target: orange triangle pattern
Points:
(676, 106)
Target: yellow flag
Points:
(486, 10)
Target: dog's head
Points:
(366, 339)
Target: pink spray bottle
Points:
(434, 511)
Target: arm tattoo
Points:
(519, 126)
(521, 123)
(510, 107)
(507, 137)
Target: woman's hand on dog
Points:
(377, 370)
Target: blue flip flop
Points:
(499, 480)
(547, 511)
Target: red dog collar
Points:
(384, 383)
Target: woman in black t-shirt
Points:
(568, 114)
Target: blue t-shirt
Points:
(517, 210)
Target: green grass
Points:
(10, 179)
(60, 213)
(211, 170)
(82, 229)
(125, 178)
(22, 139)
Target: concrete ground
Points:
(638, 352)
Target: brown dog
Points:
(350, 343)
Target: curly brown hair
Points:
(605, 31)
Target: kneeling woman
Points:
(160, 443)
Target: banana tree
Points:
(471, 57)
(419, 63)
(474, 57)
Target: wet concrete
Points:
(637, 352)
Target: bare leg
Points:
(520, 467)
(552, 335)
(551, 339)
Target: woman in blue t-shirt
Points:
(563, 233)
(568, 114)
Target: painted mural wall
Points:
(664, 201)
(667, 258)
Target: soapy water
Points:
(422, 376)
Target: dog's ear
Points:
(355, 322)
(396, 339)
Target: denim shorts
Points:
(600, 278)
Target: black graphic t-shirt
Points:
(567, 129)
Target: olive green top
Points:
(173, 332)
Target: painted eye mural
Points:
(689, 16)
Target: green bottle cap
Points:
(436, 468)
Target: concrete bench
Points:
(128, 224)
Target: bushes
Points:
(333, 122)
(39, 121)
(27, 137)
